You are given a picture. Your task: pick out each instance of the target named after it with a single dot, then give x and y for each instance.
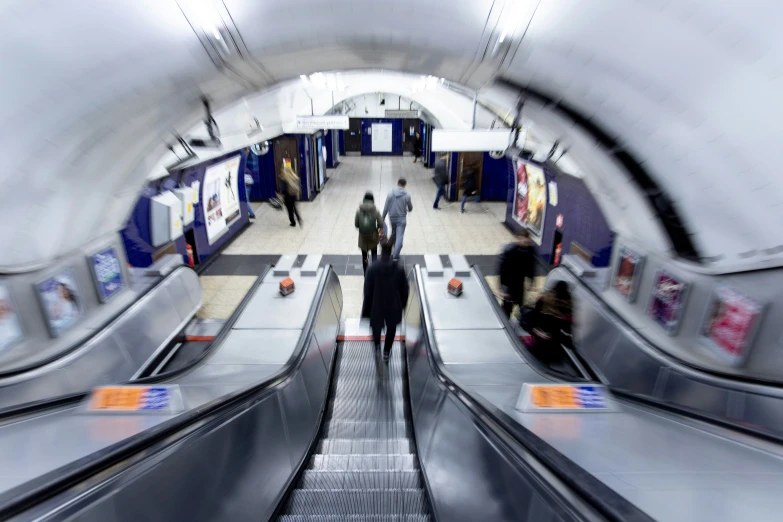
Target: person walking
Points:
(417, 146)
(441, 178)
(515, 264)
(369, 222)
(291, 189)
(469, 187)
(398, 204)
(385, 297)
(248, 184)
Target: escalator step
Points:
(354, 429)
(313, 479)
(355, 518)
(357, 501)
(364, 446)
(402, 462)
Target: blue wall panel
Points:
(453, 188)
(342, 142)
(332, 148)
(396, 137)
(266, 183)
(583, 220)
(137, 232)
(494, 178)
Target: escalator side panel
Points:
(315, 376)
(299, 417)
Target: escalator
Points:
(365, 463)
(331, 436)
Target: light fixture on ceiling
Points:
(510, 19)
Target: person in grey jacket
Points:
(398, 204)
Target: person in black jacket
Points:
(441, 178)
(469, 187)
(385, 296)
(417, 146)
(516, 264)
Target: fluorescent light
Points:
(303, 77)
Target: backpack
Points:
(367, 223)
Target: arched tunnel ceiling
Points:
(690, 87)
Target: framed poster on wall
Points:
(10, 325)
(627, 273)
(220, 197)
(730, 325)
(530, 198)
(667, 301)
(61, 301)
(107, 273)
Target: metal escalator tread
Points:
(364, 468)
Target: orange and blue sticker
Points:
(567, 397)
(130, 398)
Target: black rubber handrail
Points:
(38, 407)
(598, 495)
(75, 346)
(672, 360)
(199, 420)
(515, 341)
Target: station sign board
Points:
(397, 113)
(135, 399)
(564, 398)
(333, 121)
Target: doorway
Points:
(467, 161)
(557, 248)
(286, 153)
(410, 127)
(353, 137)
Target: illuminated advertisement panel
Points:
(530, 199)
(627, 273)
(730, 325)
(667, 301)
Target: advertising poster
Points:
(10, 325)
(107, 273)
(667, 301)
(730, 324)
(221, 197)
(530, 199)
(61, 301)
(627, 273)
(553, 193)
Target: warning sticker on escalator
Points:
(141, 399)
(563, 397)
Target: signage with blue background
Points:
(107, 272)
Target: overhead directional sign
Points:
(564, 397)
(396, 113)
(470, 140)
(333, 121)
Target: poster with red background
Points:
(730, 324)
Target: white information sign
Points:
(381, 137)
(335, 121)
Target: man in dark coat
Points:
(516, 263)
(441, 178)
(385, 297)
(417, 146)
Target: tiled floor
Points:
(329, 230)
(329, 219)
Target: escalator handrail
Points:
(99, 331)
(515, 341)
(37, 407)
(32, 493)
(724, 380)
(598, 495)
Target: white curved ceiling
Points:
(92, 89)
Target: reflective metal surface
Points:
(117, 353)
(232, 467)
(628, 362)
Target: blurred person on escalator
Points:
(248, 184)
(552, 319)
(385, 297)
(370, 224)
(291, 188)
(441, 178)
(516, 264)
(417, 146)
